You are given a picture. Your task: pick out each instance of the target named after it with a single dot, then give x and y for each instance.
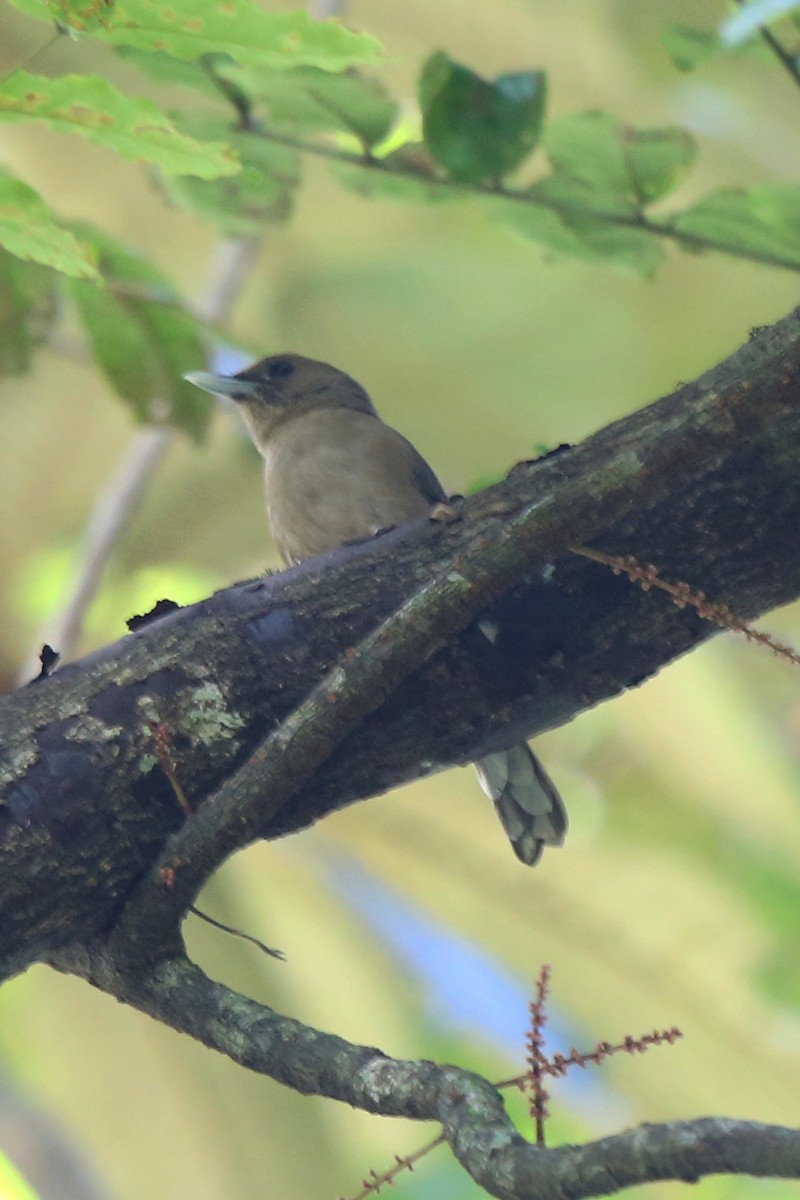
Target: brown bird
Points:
(335, 473)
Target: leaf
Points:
(190, 28)
(28, 310)
(596, 151)
(475, 128)
(579, 235)
(81, 15)
(582, 198)
(689, 48)
(135, 128)
(407, 174)
(260, 193)
(314, 100)
(764, 220)
(29, 230)
(163, 68)
(143, 338)
(658, 159)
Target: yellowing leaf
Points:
(81, 15)
(133, 127)
(191, 28)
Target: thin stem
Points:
(121, 495)
(322, 10)
(28, 58)
(117, 501)
(662, 229)
(791, 62)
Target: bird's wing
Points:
(424, 479)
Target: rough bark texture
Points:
(468, 1107)
(362, 669)
(705, 483)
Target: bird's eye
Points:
(282, 368)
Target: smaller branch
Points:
(683, 595)
(115, 504)
(280, 765)
(241, 809)
(791, 62)
(28, 57)
(662, 229)
(475, 1123)
(122, 493)
(323, 10)
(537, 1059)
(407, 1162)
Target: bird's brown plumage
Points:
(334, 473)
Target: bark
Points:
(468, 1107)
(704, 483)
(281, 699)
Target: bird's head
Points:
(280, 388)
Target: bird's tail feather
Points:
(528, 805)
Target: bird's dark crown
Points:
(285, 386)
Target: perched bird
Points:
(335, 473)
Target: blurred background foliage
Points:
(406, 921)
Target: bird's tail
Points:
(528, 805)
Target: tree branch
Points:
(469, 1108)
(705, 483)
(357, 663)
(121, 495)
(665, 229)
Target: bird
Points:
(334, 472)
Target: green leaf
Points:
(579, 196)
(133, 127)
(28, 310)
(81, 15)
(191, 28)
(689, 48)
(261, 193)
(764, 220)
(314, 100)
(597, 152)
(143, 338)
(163, 68)
(578, 235)
(475, 128)
(658, 160)
(29, 230)
(407, 174)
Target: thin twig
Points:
(791, 62)
(407, 1162)
(635, 221)
(322, 10)
(119, 498)
(117, 501)
(537, 1059)
(475, 1123)
(683, 595)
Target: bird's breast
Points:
(334, 476)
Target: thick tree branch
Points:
(286, 697)
(705, 483)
